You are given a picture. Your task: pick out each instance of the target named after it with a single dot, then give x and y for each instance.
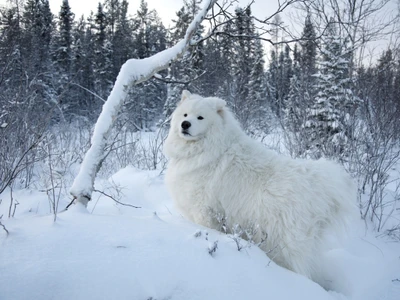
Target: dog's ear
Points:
(185, 94)
(219, 104)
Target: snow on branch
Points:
(133, 71)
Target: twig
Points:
(4, 227)
(166, 80)
(89, 91)
(213, 248)
(111, 197)
(66, 208)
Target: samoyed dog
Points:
(216, 170)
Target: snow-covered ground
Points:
(114, 251)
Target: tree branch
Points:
(111, 197)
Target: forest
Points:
(319, 91)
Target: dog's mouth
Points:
(186, 133)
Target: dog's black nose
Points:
(186, 124)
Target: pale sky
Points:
(166, 8)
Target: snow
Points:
(111, 251)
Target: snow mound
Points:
(120, 252)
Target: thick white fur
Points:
(218, 169)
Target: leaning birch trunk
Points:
(133, 71)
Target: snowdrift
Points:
(112, 251)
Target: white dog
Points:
(216, 169)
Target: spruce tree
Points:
(257, 87)
(64, 39)
(123, 43)
(272, 78)
(83, 103)
(190, 66)
(308, 50)
(244, 60)
(327, 117)
(37, 24)
(301, 91)
(146, 99)
(102, 64)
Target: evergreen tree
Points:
(11, 62)
(146, 99)
(384, 95)
(37, 24)
(225, 63)
(112, 7)
(326, 123)
(272, 78)
(294, 100)
(301, 91)
(308, 50)
(63, 60)
(244, 60)
(123, 47)
(102, 63)
(257, 87)
(218, 64)
(190, 66)
(83, 103)
(64, 40)
(38, 27)
(397, 90)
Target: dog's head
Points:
(195, 116)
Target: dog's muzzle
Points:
(185, 125)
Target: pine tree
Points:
(225, 63)
(64, 40)
(123, 44)
(244, 60)
(280, 70)
(38, 27)
(11, 62)
(146, 99)
(308, 50)
(257, 87)
(112, 7)
(384, 94)
(301, 91)
(272, 78)
(284, 72)
(326, 123)
(37, 24)
(397, 92)
(190, 66)
(219, 54)
(102, 64)
(305, 60)
(82, 102)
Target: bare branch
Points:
(4, 227)
(166, 80)
(111, 197)
(89, 91)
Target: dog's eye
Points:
(200, 118)
(185, 115)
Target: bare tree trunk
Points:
(134, 71)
